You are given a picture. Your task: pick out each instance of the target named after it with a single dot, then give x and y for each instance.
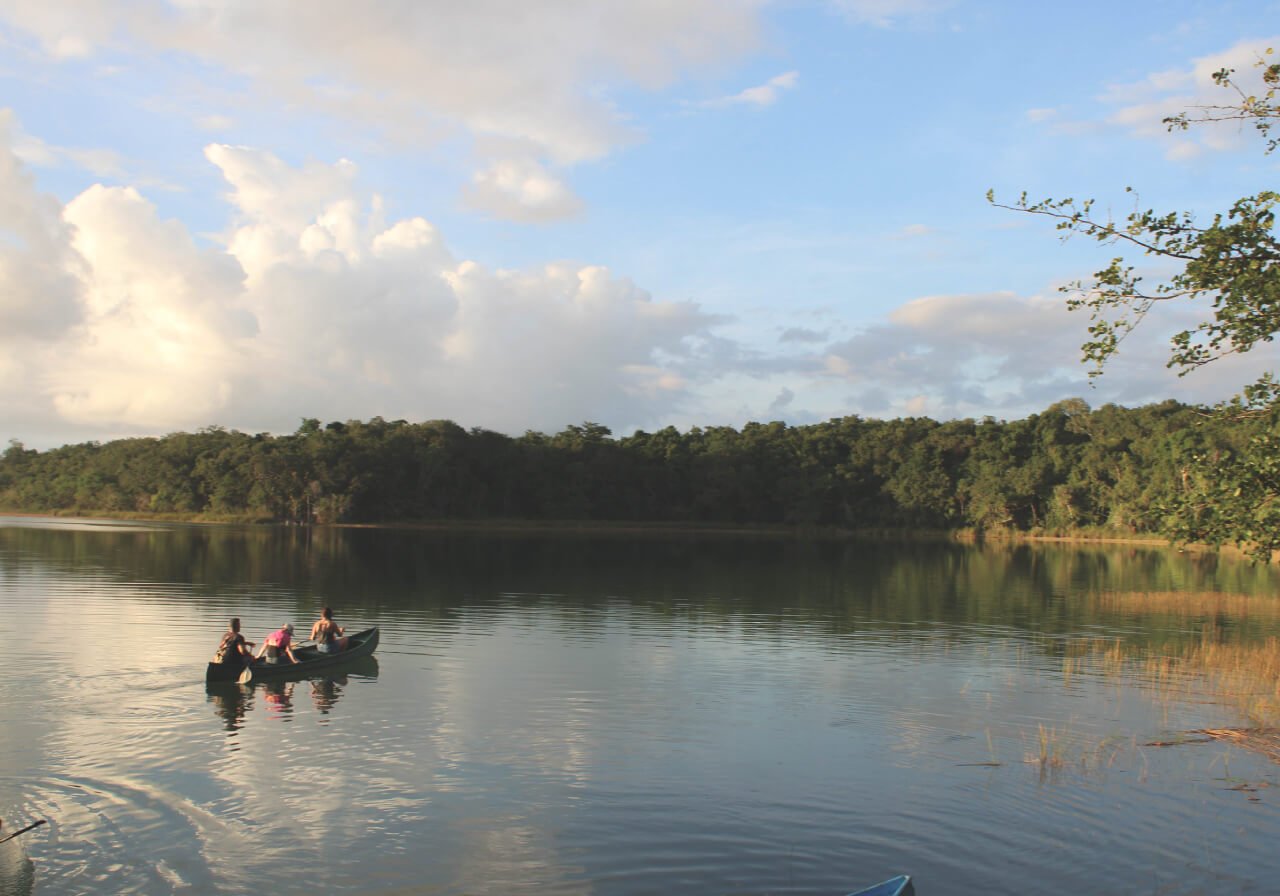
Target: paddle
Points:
(23, 831)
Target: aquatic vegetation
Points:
(1223, 665)
(1049, 745)
(1189, 603)
(1229, 661)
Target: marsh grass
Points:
(1049, 748)
(1056, 749)
(1188, 603)
(1219, 668)
(1242, 676)
(1110, 656)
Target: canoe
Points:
(894, 886)
(310, 659)
(360, 644)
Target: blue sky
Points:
(522, 216)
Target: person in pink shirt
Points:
(278, 644)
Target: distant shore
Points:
(628, 527)
(668, 529)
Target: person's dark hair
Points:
(327, 613)
(235, 623)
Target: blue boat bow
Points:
(895, 886)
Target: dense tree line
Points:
(1070, 468)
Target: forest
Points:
(1069, 469)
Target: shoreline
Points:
(631, 527)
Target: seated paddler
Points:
(328, 635)
(233, 649)
(279, 645)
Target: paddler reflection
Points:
(326, 691)
(231, 701)
(279, 697)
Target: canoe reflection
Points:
(233, 701)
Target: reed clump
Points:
(1056, 749)
(1110, 655)
(1048, 752)
(1246, 674)
(1189, 603)
(1243, 675)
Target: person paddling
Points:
(233, 649)
(278, 644)
(328, 635)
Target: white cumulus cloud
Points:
(886, 13)
(765, 94)
(315, 305)
(969, 355)
(521, 190)
(38, 289)
(417, 72)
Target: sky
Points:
(523, 216)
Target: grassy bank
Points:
(966, 535)
(667, 528)
(144, 517)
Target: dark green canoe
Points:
(309, 659)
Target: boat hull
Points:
(896, 886)
(220, 672)
(360, 644)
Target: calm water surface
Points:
(613, 715)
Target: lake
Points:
(609, 713)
